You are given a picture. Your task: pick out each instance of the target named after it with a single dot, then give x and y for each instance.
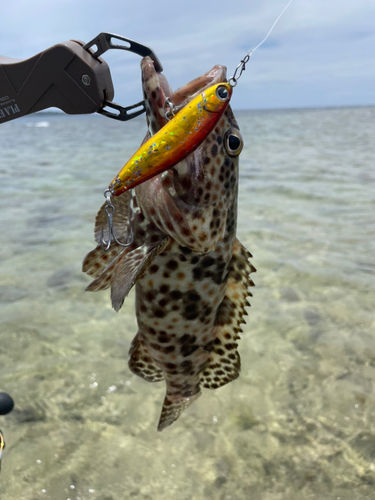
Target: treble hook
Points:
(109, 209)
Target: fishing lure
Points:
(177, 139)
(181, 135)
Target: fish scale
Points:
(191, 274)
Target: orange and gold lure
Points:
(176, 140)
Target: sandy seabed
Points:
(299, 422)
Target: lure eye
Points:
(233, 142)
(222, 93)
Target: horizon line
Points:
(57, 111)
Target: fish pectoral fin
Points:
(97, 263)
(105, 278)
(141, 363)
(173, 406)
(131, 268)
(98, 260)
(119, 219)
(224, 363)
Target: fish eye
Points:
(233, 142)
(222, 93)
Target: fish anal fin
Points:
(141, 363)
(131, 267)
(173, 406)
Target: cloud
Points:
(316, 48)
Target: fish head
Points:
(191, 201)
(156, 90)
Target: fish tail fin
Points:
(173, 406)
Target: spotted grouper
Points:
(191, 273)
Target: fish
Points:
(2, 446)
(191, 273)
(178, 138)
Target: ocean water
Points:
(298, 424)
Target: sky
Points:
(321, 53)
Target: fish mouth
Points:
(156, 90)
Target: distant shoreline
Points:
(313, 108)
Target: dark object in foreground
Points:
(6, 403)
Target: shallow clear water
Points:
(298, 424)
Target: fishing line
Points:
(251, 52)
(153, 156)
(241, 67)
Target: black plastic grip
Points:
(65, 76)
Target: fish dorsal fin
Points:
(131, 267)
(224, 363)
(119, 218)
(241, 251)
(141, 363)
(173, 406)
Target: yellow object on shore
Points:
(2, 446)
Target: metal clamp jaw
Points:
(104, 42)
(70, 76)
